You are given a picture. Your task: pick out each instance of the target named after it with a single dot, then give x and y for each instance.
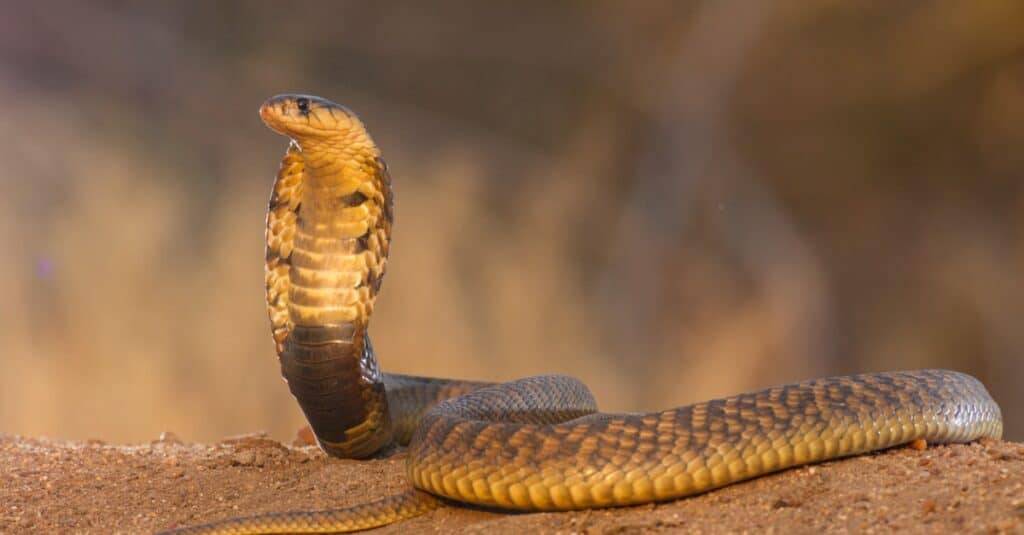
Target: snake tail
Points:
(382, 512)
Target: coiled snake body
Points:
(536, 443)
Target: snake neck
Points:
(336, 231)
(341, 237)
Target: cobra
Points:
(537, 443)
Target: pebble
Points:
(168, 437)
(244, 458)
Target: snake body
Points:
(536, 443)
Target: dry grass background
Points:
(668, 200)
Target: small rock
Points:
(258, 436)
(244, 458)
(304, 437)
(168, 437)
(260, 458)
(781, 503)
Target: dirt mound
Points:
(53, 486)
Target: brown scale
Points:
(536, 443)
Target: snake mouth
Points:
(305, 116)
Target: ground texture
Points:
(51, 486)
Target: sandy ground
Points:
(65, 487)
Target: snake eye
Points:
(303, 104)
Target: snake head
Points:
(306, 118)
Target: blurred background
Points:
(669, 200)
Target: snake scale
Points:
(536, 443)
